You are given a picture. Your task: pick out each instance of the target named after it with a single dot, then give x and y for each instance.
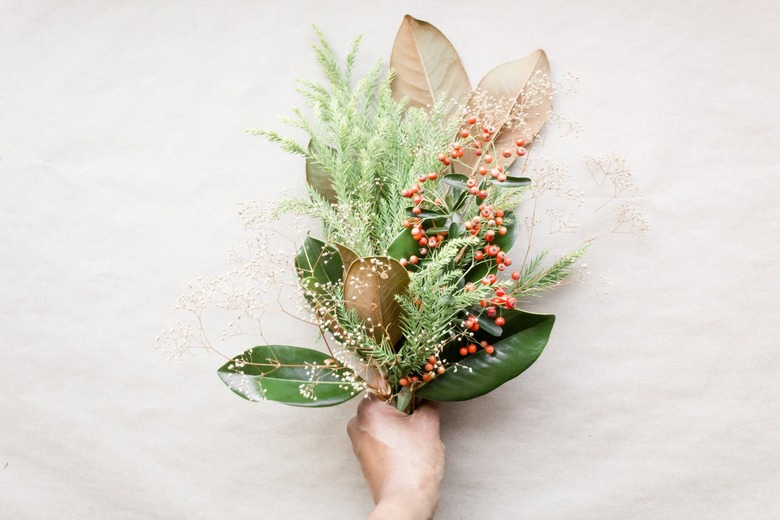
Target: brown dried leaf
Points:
(347, 257)
(370, 287)
(521, 88)
(426, 66)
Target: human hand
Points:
(401, 456)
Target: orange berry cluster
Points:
(425, 241)
(472, 348)
(429, 371)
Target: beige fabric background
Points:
(122, 157)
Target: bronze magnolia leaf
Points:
(522, 89)
(347, 257)
(426, 66)
(370, 287)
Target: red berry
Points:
(471, 120)
(520, 142)
(506, 153)
(463, 351)
(482, 170)
(489, 349)
(413, 259)
(520, 152)
(416, 210)
(500, 321)
(428, 367)
(433, 175)
(464, 133)
(516, 275)
(403, 382)
(488, 159)
(472, 348)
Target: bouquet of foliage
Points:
(416, 178)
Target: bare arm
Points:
(402, 458)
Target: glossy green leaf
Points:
(455, 230)
(291, 375)
(319, 179)
(455, 180)
(425, 214)
(523, 340)
(404, 246)
(318, 260)
(438, 230)
(488, 325)
(507, 241)
(370, 287)
(513, 182)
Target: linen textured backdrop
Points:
(122, 157)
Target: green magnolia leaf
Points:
(480, 270)
(513, 182)
(319, 179)
(507, 240)
(318, 260)
(524, 337)
(290, 375)
(404, 246)
(370, 287)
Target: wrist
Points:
(415, 504)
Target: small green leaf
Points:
(460, 201)
(488, 325)
(319, 179)
(523, 340)
(456, 180)
(513, 182)
(290, 375)
(318, 260)
(425, 214)
(455, 230)
(437, 230)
